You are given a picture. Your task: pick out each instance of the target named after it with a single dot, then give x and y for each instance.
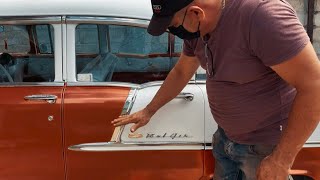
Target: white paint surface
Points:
(178, 116)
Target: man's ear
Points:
(196, 11)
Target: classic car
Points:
(68, 68)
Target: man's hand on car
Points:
(139, 119)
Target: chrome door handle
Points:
(186, 96)
(51, 99)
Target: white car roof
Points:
(140, 9)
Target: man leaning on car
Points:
(263, 80)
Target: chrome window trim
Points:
(27, 84)
(9, 20)
(58, 52)
(70, 50)
(73, 21)
(55, 22)
(64, 48)
(107, 20)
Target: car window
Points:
(136, 40)
(178, 47)
(26, 53)
(178, 44)
(87, 40)
(45, 39)
(114, 53)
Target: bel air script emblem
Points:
(167, 135)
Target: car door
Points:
(116, 69)
(31, 84)
(210, 124)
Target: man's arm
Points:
(302, 72)
(177, 79)
(171, 87)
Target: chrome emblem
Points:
(135, 135)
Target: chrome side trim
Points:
(116, 137)
(107, 20)
(30, 20)
(312, 144)
(113, 146)
(109, 146)
(306, 145)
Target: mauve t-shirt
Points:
(247, 98)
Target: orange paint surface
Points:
(30, 145)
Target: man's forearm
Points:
(171, 87)
(303, 120)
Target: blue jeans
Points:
(236, 161)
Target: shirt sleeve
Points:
(276, 34)
(188, 48)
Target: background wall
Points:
(316, 35)
(301, 6)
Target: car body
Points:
(77, 65)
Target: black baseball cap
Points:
(163, 12)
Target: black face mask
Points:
(182, 33)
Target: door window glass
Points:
(45, 39)
(26, 53)
(87, 40)
(122, 54)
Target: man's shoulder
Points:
(269, 7)
(244, 7)
(249, 8)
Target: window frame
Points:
(73, 21)
(56, 22)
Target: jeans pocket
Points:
(261, 150)
(215, 138)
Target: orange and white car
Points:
(68, 68)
